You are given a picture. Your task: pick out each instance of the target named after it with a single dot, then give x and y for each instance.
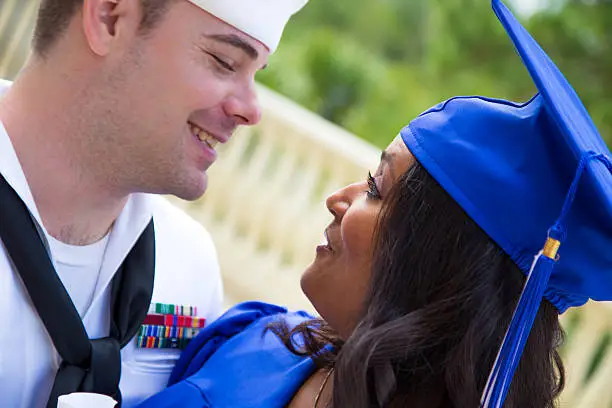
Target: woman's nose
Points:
(340, 201)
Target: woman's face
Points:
(337, 281)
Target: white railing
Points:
(265, 210)
(589, 339)
(16, 25)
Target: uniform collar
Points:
(10, 167)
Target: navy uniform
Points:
(109, 318)
(186, 273)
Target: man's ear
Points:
(106, 22)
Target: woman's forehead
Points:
(397, 157)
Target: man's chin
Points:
(192, 190)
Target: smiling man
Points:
(121, 100)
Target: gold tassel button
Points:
(551, 247)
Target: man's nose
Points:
(244, 106)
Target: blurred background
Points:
(349, 74)
(370, 66)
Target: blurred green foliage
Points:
(372, 65)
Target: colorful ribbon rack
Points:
(169, 326)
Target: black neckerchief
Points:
(87, 365)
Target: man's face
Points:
(165, 99)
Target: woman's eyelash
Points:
(373, 191)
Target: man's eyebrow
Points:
(235, 41)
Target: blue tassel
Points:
(528, 305)
(514, 342)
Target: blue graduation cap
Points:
(537, 178)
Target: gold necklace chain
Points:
(318, 396)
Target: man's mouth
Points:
(203, 136)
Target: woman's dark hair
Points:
(441, 297)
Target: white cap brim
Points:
(264, 20)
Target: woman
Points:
(422, 285)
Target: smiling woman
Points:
(426, 318)
(337, 280)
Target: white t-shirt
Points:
(186, 273)
(79, 269)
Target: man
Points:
(121, 99)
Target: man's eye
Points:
(222, 63)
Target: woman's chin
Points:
(305, 284)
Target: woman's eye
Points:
(373, 191)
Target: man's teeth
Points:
(204, 136)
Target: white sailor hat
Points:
(264, 20)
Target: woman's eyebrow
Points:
(387, 158)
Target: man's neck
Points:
(76, 205)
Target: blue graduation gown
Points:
(235, 362)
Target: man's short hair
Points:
(54, 16)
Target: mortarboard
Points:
(536, 177)
(264, 20)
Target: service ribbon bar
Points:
(177, 310)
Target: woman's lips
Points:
(326, 244)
